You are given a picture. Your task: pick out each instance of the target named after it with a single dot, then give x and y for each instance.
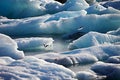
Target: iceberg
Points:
(93, 39)
(8, 47)
(31, 68)
(38, 26)
(34, 43)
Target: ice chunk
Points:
(69, 60)
(115, 32)
(21, 8)
(99, 9)
(83, 75)
(93, 39)
(112, 71)
(31, 68)
(37, 26)
(102, 52)
(76, 5)
(114, 59)
(115, 4)
(8, 47)
(35, 43)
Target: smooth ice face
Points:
(99, 9)
(93, 39)
(31, 68)
(112, 71)
(8, 47)
(35, 43)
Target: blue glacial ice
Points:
(8, 47)
(66, 14)
(115, 4)
(37, 26)
(32, 8)
(83, 75)
(93, 39)
(34, 43)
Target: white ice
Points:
(31, 68)
(8, 47)
(83, 75)
(37, 26)
(112, 71)
(35, 43)
(93, 39)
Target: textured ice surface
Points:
(75, 5)
(66, 14)
(35, 43)
(99, 9)
(28, 8)
(114, 4)
(93, 39)
(82, 56)
(35, 26)
(112, 71)
(8, 47)
(83, 75)
(6, 60)
(31, 68)
(114, 59)
(68, 59)
(101, 52)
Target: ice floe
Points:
(34, 43)
(93, 39)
